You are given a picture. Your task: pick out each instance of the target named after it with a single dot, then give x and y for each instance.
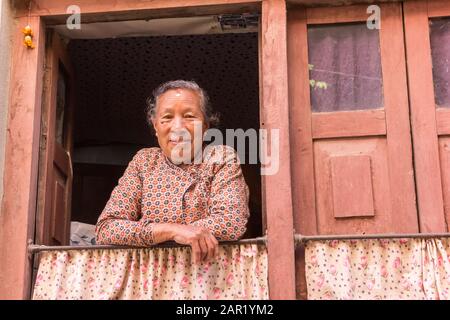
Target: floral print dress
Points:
(212, 194)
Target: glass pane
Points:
(60, 106)
(345, 67)
(440, 54)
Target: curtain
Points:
(440, 54)
(378, 269)
(347, 58)
(240, 272)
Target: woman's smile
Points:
(177, 139)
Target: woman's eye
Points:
(189, 116)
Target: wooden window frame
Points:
(23, 131)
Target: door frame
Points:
(427, 122)
(17, 220)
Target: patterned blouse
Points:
(212, 194)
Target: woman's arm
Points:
(120, 223)
(228, 204)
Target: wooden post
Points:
(275, 115)
(21, 162)
(423, 118)
(302, 152)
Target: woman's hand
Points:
(204, 245)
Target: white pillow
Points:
(82, 234)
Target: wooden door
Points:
(427, 35)
(351, 153)
(55, 177)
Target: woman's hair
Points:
(211, 117)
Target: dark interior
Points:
(114, 78)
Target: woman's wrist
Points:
(163, 232)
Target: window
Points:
(346, 58)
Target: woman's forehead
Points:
(179, 96)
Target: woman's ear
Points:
(154, 127)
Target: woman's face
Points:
(179, 124)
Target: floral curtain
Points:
(378, 269)
(240, 272)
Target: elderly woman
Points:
(169, 193)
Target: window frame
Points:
(22, 145)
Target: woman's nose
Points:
(178, 123)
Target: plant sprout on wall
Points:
(316, 84)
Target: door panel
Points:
(352, 195)
(427, 36)
(352, 132)
(55, 177)
(58, 220)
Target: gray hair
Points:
(211, 118)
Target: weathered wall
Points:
(6, 27)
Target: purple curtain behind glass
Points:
(440, 53)
(347, 58)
